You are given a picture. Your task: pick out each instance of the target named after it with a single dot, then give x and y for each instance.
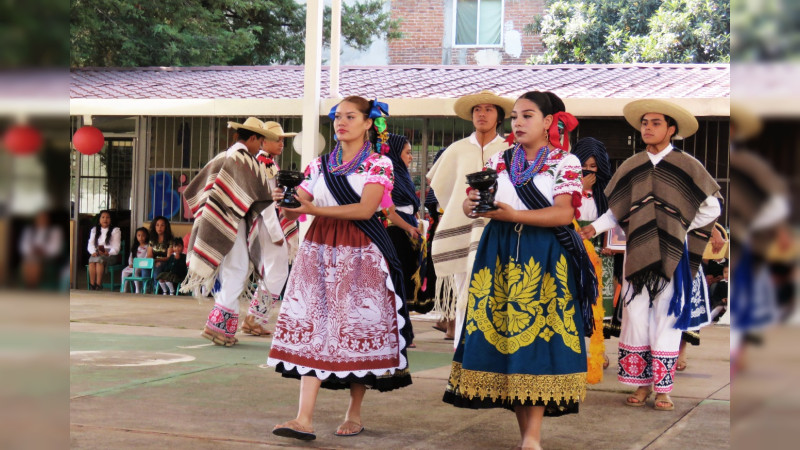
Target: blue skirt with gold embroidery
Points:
(522, 342)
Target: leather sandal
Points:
(639, 399)
(218, 338)
(666, 403)
(250, 326)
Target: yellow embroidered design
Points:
(514, 316)
(498, 386)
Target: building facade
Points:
(481, 32)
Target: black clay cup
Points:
(289, 180)
(484, 181)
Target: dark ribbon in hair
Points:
(582, 268)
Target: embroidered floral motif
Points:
(223, 320)
(570, 175)
(342, 317)
(515, 304)
(560, 388)
(635, 365)
(664, 370)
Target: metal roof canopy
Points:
(588, 90)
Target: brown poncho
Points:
(654, 205)
(230, 187)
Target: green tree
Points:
(622, 31)
(767, 30)
(130, 33)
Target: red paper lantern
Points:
(22, 140)
(88, 140)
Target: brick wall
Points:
(424, 25)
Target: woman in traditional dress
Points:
(596, 173)
(532, 284)
(403, 228)
(341, 323)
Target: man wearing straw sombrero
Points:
(457, 236)
(666, 203)
(275, 241)
(226, 199)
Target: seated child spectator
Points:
(104, 246)
(138, 250)
(174, 270)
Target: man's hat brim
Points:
(254, 125)
(634, 111)
(463, 106)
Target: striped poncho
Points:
(231, 187)
(654, 205)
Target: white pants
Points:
(648, 343)
(462, 292)
(274, 270)
(233, 276)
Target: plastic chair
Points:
(138, 264)
(112, 269)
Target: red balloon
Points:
(22, 140)
(88, 140)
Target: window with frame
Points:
(478, 22)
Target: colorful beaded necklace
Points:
(335, 164)
(521, 171)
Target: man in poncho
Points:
(666, 203)
(226, 199)
(457, 236)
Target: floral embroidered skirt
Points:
(522, 342)
(340, 319)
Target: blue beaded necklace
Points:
(335, 164)
(521, 171)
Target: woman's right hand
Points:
(471, 202)
(588, 182)
(414, 232)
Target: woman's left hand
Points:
(503, 212)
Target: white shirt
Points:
(270, 214)
(588, 209)
(474, 140)
(709, 210)
(113, 244)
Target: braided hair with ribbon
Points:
(592, 148)
(563, 122)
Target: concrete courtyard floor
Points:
(142, 377)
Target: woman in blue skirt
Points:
(532, 284)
